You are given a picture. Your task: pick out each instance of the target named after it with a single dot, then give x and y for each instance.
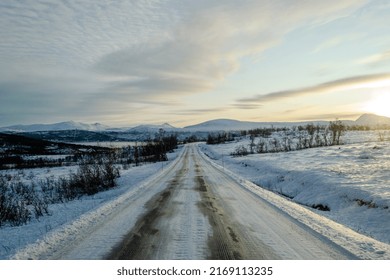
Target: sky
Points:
(130, 62)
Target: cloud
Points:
(191, 112)
(330, 43)
(83, 57)
(376, 59)
(77, 32)
(149, 88)
(207, 44)
(336, 41)
(246, 106)
(333, 116)
(366, 81)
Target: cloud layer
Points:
(208, 44)
(367, 81)
(89, 58)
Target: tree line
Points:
(289, 139)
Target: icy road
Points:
(194, 209)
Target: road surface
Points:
(203, 213)
(193, 210)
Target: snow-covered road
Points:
(194, 209)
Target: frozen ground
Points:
(352, 180)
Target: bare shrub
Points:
(240, 151)
(13, 208)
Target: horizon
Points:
(190, 124)
(185, 62)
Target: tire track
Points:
(139, 243)
(224, 244)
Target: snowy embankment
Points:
(67, 219)
(348, 184)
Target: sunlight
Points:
(380, 104)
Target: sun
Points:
(379, 104)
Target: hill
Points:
(70, 125)
(79, 132)
(151, 128)
(236, 125)
(372, 120)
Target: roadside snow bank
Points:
(349, 183)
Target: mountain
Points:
(221, 124)
(152, 128)
(70, 125)
(229, 124)
(372, 120)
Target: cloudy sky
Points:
(127, 62)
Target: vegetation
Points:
(24, 152)
(19, 201)
(219, 137)
(337, 129)
(272, 140)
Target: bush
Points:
(90, 179)
(219, 138)
(20, 201)
(13, 208)
(240, 151)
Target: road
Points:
(203, 213)
(194, 210)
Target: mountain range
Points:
(212, 125)
(70, 125)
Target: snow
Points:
(235, 125)
(207, 126)
(362, 246)
(153, 128)
(229, 124)
(67, 220)
(371, 119)
(69, 125)
(352, 180)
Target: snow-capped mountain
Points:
(70, 125)
(371, 119)
(153, 127)
(211, 125)
(221, 124)
(229, 124)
